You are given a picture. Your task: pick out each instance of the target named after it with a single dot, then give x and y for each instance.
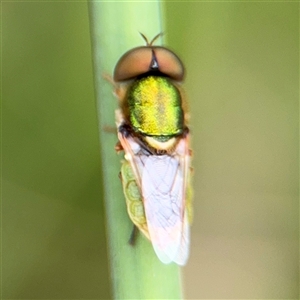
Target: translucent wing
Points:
(162, 180)
(163, 191)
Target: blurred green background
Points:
(242, 61)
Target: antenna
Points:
(153, 40)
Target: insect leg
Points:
(110, 129)
(133, 236)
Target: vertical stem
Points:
(136, 271)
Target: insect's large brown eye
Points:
(140, 60)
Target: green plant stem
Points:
(136, 272)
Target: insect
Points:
(152, 131)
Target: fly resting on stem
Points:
(152, 130)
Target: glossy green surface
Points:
(155, 107)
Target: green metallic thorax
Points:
(155, 107)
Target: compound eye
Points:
(140, 60)
(169, 63)
(133, 63)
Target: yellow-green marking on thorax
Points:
(155, 107)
